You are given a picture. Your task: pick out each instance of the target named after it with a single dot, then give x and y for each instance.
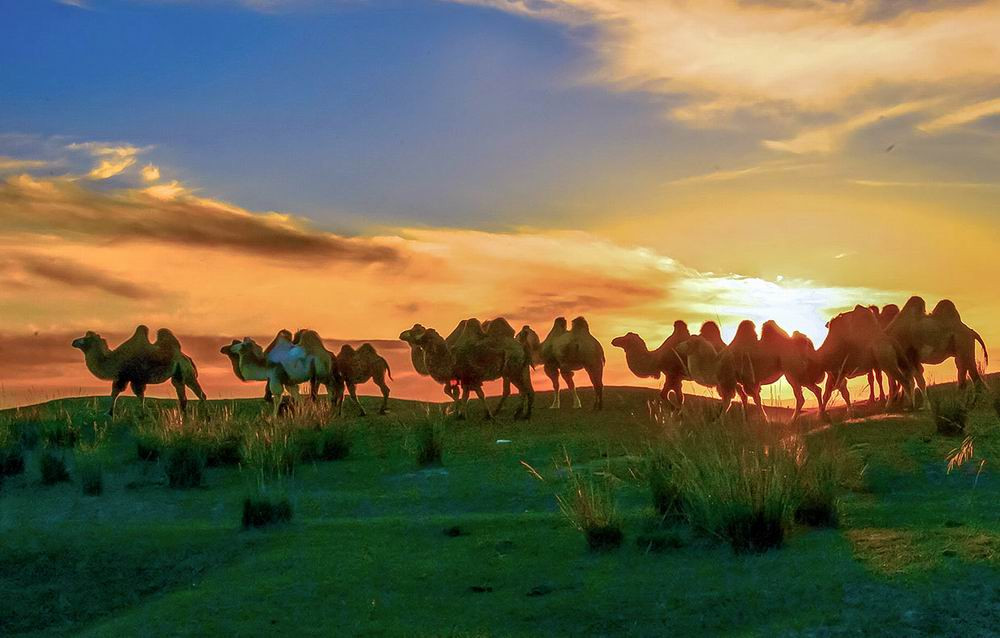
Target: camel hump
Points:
(681, 327)
(165, 339)
(914, 306)
(367, 348)
(580, 325)
(558, 326)
(499, 328)
(946, 311)
(710, 328)
(771, 329)
(746, 331)
(141, 332)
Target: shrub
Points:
(737, 481)
(950, 411)
(59, 433)
(589, 505)
(260, 510)
(185, 463)
(663, 488)
(429, 443)
(53, 468)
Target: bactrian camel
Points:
(933, 338)
(360, 365)
(138, 363)
(485, 352)
(565, 351)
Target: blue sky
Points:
(399, 113)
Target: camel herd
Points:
(864, 341)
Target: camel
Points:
(488, 351)
(442, 373)
(287, 365)
(359, 365)
(137, 363)
(565, 351)
(664, 360)
(712, 368)
(756, 361)
(798, 362)
(438, 358)
(855, 345)
(933, 338)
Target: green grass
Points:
(916, 550)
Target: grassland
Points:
(476, 545)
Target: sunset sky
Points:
(228, 168)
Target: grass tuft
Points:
(430, 445)
(663, 487)
(53, 468)
(185, 463)
(323, 444)
(820, 477)
(90, 471)
(589, 505)
(950, 410)
(738, 481)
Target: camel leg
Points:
(313, 389)
(352, 389)
(526, 392)
(881, 388)
(117, 387)
(482, 398)
(800, 400)
(553, 374)
(192, 382)
(462, 404)
(759, 404)
(139, 389)
(182, 401)
(596, 375)
(567, 376)
(277, 390)
(380, 382)
(871, 386)
(741, 391)
(846, 394)
(503, 395)
(818, 392)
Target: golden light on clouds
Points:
(810, 56)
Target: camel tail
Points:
(388, 370)
(986, 355)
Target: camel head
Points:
(427, 338)
(247, 346)
(529, 339)
(627, 342)
(413, 334)
(89, 341)
(228, 350)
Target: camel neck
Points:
(252, 368)
(641, 362)
(100, 361)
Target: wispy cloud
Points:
(112, 159)
(68, 272)
(961, 116)
(764, 168)
(12, 164)
(167, 214)
(923, 184)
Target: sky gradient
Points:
(231, 168)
